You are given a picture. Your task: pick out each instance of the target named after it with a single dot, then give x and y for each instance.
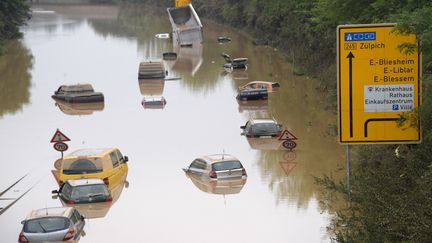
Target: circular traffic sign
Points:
(60, 146)
(289, 144)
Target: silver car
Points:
(216, 167)
(261, 128)
(52, 224)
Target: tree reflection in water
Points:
(15, 77)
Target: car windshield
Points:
(89, 193)
(82, 165)
(265, 128)
(45, 225)
(227, 165)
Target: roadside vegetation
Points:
(13, 14)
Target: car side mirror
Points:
(23, 222)
(242, 127)
(82, 218)
(125, 159)
(55, 192)
(280, 125)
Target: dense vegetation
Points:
(13, 14)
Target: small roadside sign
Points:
(377, 83)
(59, 137)
(287, 135)
(60, 146)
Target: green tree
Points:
(13, 14)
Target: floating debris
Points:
(163, 36)
(223, 39)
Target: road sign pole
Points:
(348, 170)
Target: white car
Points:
(216, 167)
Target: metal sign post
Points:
(348, 170)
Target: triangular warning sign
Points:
(287, 135)
(59, 137)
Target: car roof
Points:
(215, 158)
(50, 212)
(98, 152)
(81, 182)
(262, 120)
(260, 82)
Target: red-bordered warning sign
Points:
(287, 135)
(59, 137)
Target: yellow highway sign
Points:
(180, 3)
(377, 83)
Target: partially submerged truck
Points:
(186, 25)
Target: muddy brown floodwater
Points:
(103, 45)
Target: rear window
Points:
(89, 193)
(46, 225)
(227, 165)
(81, 166)
(265, 128)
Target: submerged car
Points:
(106, 164)
(52, 224)
(262, 128)
(84, 191)
(96, 208)
(153, 102)
(216, 167)
(79, 93)
(269, 86)
(234, 63)
(252, 94)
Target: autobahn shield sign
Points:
(377, 84)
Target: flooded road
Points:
(103, 45)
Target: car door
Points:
(65, 191)
(117, 168)
(198, 167)
(78, 222)
(248, 129)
